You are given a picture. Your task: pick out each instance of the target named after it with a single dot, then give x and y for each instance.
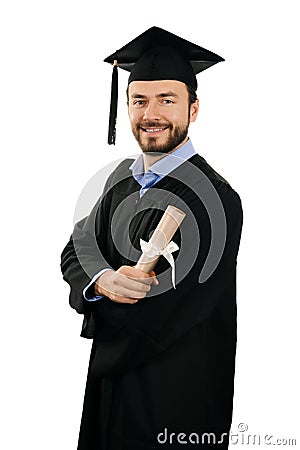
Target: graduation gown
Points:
(165, 364)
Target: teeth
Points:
(153, 130)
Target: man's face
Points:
(160, 114)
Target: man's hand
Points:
(126, 285)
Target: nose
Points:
(151, 111)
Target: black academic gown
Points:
(165, 364)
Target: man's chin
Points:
(152, 145)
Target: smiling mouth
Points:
(152, 130)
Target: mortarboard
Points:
(157, 54)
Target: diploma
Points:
(160, 242)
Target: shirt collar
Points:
(166, 164)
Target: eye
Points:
(138, 102)
(167, 101)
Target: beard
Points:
(176, 135)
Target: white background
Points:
(54, 111)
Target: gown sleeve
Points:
(129, 335)
(82, 257)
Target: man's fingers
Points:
(138, 275)
(128, 293)
(126, 285)
(135, 274)
(119, 296)
(153, 277)
(134, 284)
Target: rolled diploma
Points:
(162, 235)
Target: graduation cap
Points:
(157, 54)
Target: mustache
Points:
(153, 125)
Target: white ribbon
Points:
(150, 250)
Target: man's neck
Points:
(151, 157)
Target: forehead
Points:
(157, 87)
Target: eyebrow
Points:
(162, 95)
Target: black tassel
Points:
(113, 106)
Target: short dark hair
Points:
(192, 94)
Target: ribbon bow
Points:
(150, 250)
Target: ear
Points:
(194, 109)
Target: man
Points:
(162, 362)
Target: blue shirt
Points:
(161, 168)
(147, 179)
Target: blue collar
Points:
(165, 165)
